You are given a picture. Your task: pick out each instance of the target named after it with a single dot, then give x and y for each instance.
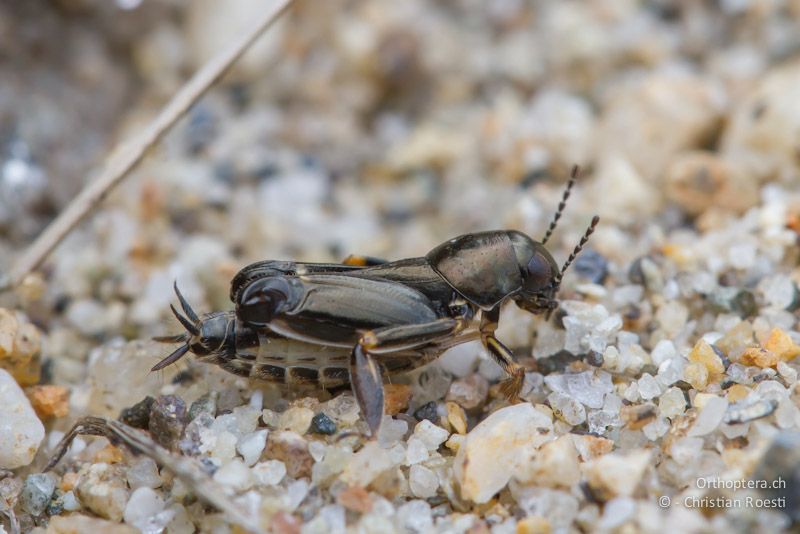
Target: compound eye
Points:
(540, 273)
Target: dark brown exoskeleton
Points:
(353, 322)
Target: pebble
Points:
(108, 454)
(759, 357)
(101, 489)
(143, 504)
(589, 327)
(557, 507)
(646, 272)
(138, 415)
(697, 375)
(591, 265)
(672, 403)
(671, 318)
(566, 408)
(613, 474)
(744, 412)
(663, 351)
(322, 424)
(649, 388)
(391, 431)
(291, 449)
(710, 417)
(317, 449)
(496, 448)
(696, 180)
(167, 421)
(659, 115)
(70, 502)
(355, 498)
(428, 411)
(704, 353)
(343, 409)
(37, 492)
(636, 416)
(235, 475)
(755, 139)
(780, 343)
(431, 382)
(461, 360)
(779, 291)
(422, 481)
(20, 344)
(589, 388)
(656, 428)
(335, 460)
(143, 473)
(414, 516)
(456, 417)
(737, 392)
(21, 431)
(416, 451)
(79, 524)
(430, 434)
(555, 465)
(251, 445)
(205, 404)
(370, 462)
(269, 473)
(616, 513)
(296, 419)
(396, 397)
(788, 372)
(49, 401)
(177, 521)
(116, 377)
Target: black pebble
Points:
(427, 411)
(168, 418)
(138, 415)
(591, 265)
(322, 424)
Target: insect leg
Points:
(365, 373)
(502, 354)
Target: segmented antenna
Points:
(578, 249)
(576, 170)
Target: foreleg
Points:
(501, 354)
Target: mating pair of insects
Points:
(332, 324)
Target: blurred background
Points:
(384, 128)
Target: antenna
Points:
(577, 249)
(576, 170)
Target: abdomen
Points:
(287, 361)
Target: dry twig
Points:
(127, 155)
(184, 468)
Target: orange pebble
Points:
(49, 401)
(395, 398)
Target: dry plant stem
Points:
(126, 156)
(184, 468)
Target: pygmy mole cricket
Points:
(331, 324)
